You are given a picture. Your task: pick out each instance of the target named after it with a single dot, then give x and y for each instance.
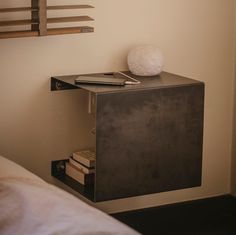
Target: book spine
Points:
(75, 174)
(84, 169)
(83, 160)
(78, 175)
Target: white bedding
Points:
(29, 205)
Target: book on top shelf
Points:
(78, 175)
(81, 167)
(86, 157)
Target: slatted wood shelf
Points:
(67, 7)
(17, 9)
(17, 22)
(69, 19)
(19, 34)
(50, 31)
(49, 20)
(39, 20)
(70, 30)
(59, 7)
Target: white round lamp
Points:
(145, 60)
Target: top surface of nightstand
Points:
(164, 80)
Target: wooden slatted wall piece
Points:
(17, 9)
(34, 15)
(43, 17)
(39, 20)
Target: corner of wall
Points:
(233, 160)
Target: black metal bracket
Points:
(57, 85)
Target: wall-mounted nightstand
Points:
(149, 136)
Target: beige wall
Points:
(196, 37)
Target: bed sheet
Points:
(29, 205)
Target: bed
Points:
(29, 205)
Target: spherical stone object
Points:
(145, 60)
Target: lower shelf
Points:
(50, 31)
(58, 171)
(18, 34)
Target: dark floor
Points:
(214, 216)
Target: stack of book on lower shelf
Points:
(81, 166)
